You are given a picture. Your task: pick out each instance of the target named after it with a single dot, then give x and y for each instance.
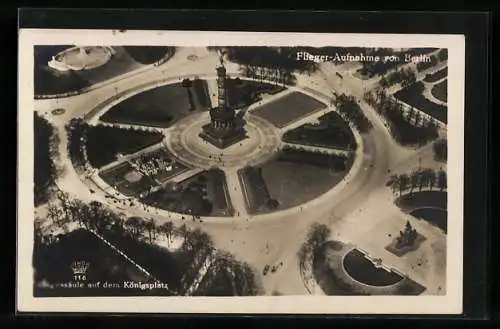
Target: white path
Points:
(329, 150)
(236, 193)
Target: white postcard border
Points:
(451, 303)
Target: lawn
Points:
(104, 143)
(241, 93)
(436, 76)
(289, 108)
(52, 264)
(116, 177)
(440, 91)
(413, 96)
(204, 194)
(435, 216)
(160, 106)
(293, 183)
(331, 131)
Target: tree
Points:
(406, 237)
(441, 180)
(199, 242)
(150, 226)
(56, 214)
(167, 228)
(432, 180)
(318, 234)
(414, 180)
(135, 226)
(403, 181)
(440, 148)
(392, 182)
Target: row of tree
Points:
(196, 243)
(269, 72)
(418, 180)
(350, 110)
(404, 76)
(421, 66)
(385, 104)
(407, 125)
(45, 149)
(440, 148)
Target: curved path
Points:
(270, 241)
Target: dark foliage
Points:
(44, 169)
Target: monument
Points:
(224, 128)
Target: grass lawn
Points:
(438, 75)
(413, 97)
(427, 205)
(104, 143)
(52, 264)
(440, 91)
(161, 106)
(117, 178)
(435, 216)
(293, 183)
(332, 131)
(203, 195)
(288, 108)
(241, 93)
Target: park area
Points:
(161, 106)
(52, 264)
(293, 183)
(51, 81)
(340, 269)
(165, 266)
(289, 108)
(331, 131)
(127, 180)
(430, 206)
(413, 96)
(241, 93)
(104, 143)
(204, 194)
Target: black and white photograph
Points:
(256, 172)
